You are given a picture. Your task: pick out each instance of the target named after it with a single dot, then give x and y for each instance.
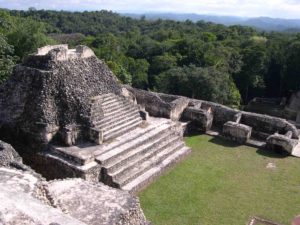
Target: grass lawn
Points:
(220, 183)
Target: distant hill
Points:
(261, 23)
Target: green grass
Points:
(220, 183)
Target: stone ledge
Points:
(237, 132)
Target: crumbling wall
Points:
(42, 97)
(237, 132)
(157, 104)
(201, 120)
(160, 105)
(221, 113)
(267, 124)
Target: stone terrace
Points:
(129, 161)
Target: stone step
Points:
(125, 139)
(112, 105)
(119, 149)
(108, 95)
(115, 106)
(75, 159)
(117, 163)
(146, 178)
(117, 173)
(123, 108)
(117, 123)
(119, 116)
(148, 164)
(108, 102)
(100, 98)
(71, 164)
(122, 129)
(114, 119)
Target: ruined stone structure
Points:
(27, 198)
(69, 117)
(243, 127)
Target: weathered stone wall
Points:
(268, 124)
(278, 142)
(157, 104)
(237, 132)
(160, 105)
(43, 96)
(222, 113)
(201, 120)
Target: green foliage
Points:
(26, 36)
(120, 72)
(197, 82)
(143, 52)
(139, 70)
(7, 59)
(292, 75)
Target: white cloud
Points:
(250, 8)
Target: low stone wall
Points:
(160, 105)
(278, 142)
(63, 169)
(156, 104)
(201, 120)
(268, 124)
(221, 113)
(237, 132)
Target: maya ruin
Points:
(92, 143)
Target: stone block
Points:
(96, 136)
(200, 119)
(237, 132)
(278, 142)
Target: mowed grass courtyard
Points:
(221, 183)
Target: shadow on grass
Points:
(272, 154)
(261, 151)
(193, 133)
(224, 142)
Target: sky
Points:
(244, 8)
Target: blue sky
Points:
(247, 8)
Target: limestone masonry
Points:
(99, 142)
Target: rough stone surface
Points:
(268, 124)
(27, 199)
(19, 204)
(96, 203)
(8, 155)
(45, 95)
(201, 119)
(160, 105)
(279, 142)
(262, 125)
(237, 132)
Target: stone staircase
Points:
(112, 116)
(141, 157)
(134, 151)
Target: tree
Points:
(251, 77)
(7, 59)
(197, 82)
(139, 70)
(120, 72)
(292, 72)
(27, 36)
